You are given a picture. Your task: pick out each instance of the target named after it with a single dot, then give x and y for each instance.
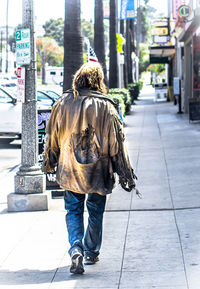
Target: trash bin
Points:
(161, 90)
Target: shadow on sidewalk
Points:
(28, 276)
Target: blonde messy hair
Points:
(90, 75)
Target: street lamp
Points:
(30, 182)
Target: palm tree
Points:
(113, 65)
(73, 42)
(129, 50)
(122, 31)
(99, 43)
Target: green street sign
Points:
(23, 48)
(184, 11)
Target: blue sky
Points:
(46, 9)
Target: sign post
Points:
(30, 182)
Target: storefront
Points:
(189, 60)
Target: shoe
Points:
(77, 262)
(90, 260)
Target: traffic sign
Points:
(21, 84)
(184, 11)
(23, 51)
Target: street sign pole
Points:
(30, 182)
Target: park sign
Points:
(23, 50)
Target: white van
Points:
(54, 75)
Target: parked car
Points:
(11, 112)
(10, 115)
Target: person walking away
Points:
(85, 142)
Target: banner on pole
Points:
(176, 5)
(127, 9)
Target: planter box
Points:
(134, 92)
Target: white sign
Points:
(160, 39)
(23, 50)
(176, 85)
(21, 84)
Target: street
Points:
(10, 155)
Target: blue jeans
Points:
(74, 204)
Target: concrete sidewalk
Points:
(153, 242)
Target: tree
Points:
(129, 50)
(113, 65)
(99, 43)
(145, 25)
(55, 29)
(48, 52)
(73, 42)
(88, 30)
(125, 71)
(88, 33)
(144, 57)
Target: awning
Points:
(161, 54)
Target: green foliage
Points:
(138, 83)
(54, 28)
(156, 68)
(145, 24)
(144, 57)
(49, 52)
(88, 30)
(118, 100)
(84, 57)
(125, 94)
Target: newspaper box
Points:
(160, 91)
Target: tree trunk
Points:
(113, 65)
(73, 41)
(43, 62)
(129, 51)
(122, 22)
(99, 43)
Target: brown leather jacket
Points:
(85, 140)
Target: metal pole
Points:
(29, 180)
(7, 36)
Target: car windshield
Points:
(53, 94)
(4, 97)
(43, 99)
